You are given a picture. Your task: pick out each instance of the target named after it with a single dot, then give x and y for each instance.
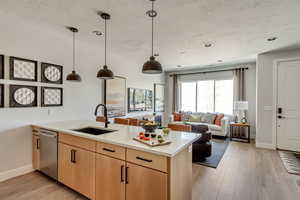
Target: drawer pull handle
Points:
(73, 156)
(126, 175)
(122, 168)
(109, 150)
(38, 143)
(143, 159)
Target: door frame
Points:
(276, 63)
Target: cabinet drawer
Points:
(83, 143)
(111, 150)
(147, 160)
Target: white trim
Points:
(15, 172)
(265, 146)
(275, 87)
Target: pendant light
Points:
(105, 73)
(73, 76)
(152, 66)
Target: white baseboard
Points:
(265, 146)
(15, 172)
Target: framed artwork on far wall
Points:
(149, 100)
(1, 95)
(51, 73)
(1, 66)
(116, 97)
(51, 96)
(136, 100)
(22, 96)
(23, 69)
(159, 97)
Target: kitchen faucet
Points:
(105, 113)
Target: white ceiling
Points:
(238, 29)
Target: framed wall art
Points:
(51, 73)
(139, 100)
(159, 97)
(116, 97)
(1, 66)
(22, 96)
(22, 69)
(51, 96)
(1, 95)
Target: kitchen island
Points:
(113, 166)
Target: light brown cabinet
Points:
(76, 169)
(36, 152)
(110, 178)
(145, 184)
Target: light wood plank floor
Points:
(245, 173)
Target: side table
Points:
(237, 131)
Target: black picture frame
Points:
(12, 66)
(1, 66)
(14, 104)
(44, 79)
(2, 91)
(156, 85)
(43, 97)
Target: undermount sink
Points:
(93, 131)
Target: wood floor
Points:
(245, 173)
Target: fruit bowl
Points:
(150, 127)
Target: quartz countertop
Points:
(123, 136)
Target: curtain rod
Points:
(220, 70)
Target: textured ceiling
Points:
(238, 29)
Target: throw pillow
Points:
(209, 118)
(194, 118)
(177, 116)
(219, 119)
(185, 116)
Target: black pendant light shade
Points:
(152, 66)
(73, 76)
(105, 73)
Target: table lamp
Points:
(241, 107)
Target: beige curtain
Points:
(239, 84)
(175, 93)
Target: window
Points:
(207, 96)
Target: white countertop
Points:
(123, 136)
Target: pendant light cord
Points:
(105, 41)
(152, 26)
(73, 50)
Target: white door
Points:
(288, 105)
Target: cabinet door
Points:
(145, 184)
(76, 169)
(36, 152)
(110, 178)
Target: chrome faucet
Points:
(105, 113)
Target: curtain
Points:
(239, 84)
(175, 93)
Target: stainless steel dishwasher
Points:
(48, 153)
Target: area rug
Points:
(291, 161)
(219, 147)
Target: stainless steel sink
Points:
(93, 131)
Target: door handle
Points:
(122, 169)
(126, 175)
(280, 117)
(38, 143)
(73, 156)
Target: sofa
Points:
(217, 123)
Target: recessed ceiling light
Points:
(98, 33)
(182, 52)
(272, 39)
(207, 45)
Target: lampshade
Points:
(73, 76)
(152, 66)
(241, 105)
(105, 73)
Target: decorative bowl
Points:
(150, 128)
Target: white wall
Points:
(250, 92)
(265, 94)
(22, 38)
